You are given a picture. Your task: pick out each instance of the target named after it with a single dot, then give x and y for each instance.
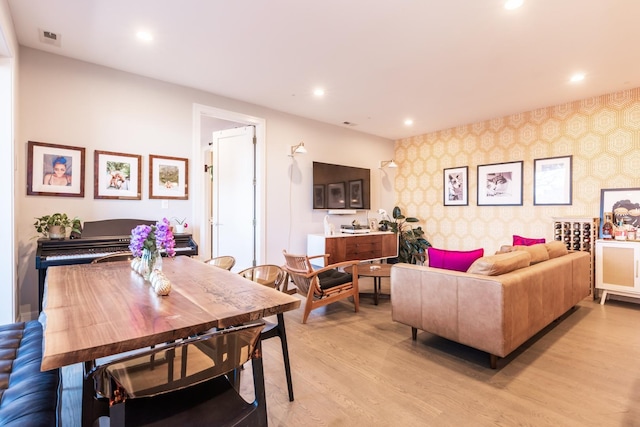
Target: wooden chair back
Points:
(269, 275)
(226, 262)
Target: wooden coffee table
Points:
(377, 271)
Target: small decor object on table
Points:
(145, 244)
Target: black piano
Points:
(99, 238)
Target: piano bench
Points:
(28, 397)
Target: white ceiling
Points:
(443, 63)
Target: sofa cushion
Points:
(453, 260)
(495, 265)
(556, 249)
(538, 252)
(332, 278)
(526, 241)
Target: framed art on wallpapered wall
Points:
(456, 186)
(55, 170)
(552, 181)
(500, 184)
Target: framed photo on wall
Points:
(55, 170)
(336, 198)
(500, 184)
(355, 194)
(456, 186)
(552, 181)
(117, 176)
(168, 177)
(318, 196)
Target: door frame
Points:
(199, 197)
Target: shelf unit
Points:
(579, 234)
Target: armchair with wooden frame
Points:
(324, 285)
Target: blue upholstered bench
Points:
(28, 397)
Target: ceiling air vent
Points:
(49, 37)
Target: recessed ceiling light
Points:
(318, 92)
(408, 122)
(513, 4)
(144, 35)
(578, 77)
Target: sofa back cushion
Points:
(453, 260)
(526, 241)
(538, 252)
(556, 249)
(494, 265)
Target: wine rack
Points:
(579, 234)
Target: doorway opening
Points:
(207, 120)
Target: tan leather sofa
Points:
(501, 308)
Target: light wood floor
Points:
(362, 369)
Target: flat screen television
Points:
(341, 187)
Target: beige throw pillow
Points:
(556, 249)
(495, 265)
(538, 252)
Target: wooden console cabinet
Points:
(617, 265)
(348, 247)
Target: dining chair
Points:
(324, 285)
(113, 257)
(226, 261)
(274, 277)
(189, 384)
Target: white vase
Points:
(179, 228)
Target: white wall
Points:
(68, 102)
(8, 77)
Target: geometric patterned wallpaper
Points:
(602, 133)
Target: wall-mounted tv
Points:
(341, 187)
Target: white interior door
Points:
(233, 224)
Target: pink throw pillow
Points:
(524, 241)
(453, 260)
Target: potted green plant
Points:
(54, 226)
(411, 240)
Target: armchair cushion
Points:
(332, 278)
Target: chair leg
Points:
(285, 354)
(258, 385)
(308, 305)
(356, 294)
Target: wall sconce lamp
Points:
(298, 149)
(388, 164)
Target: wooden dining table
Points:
(97, 310)
(93, 311)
